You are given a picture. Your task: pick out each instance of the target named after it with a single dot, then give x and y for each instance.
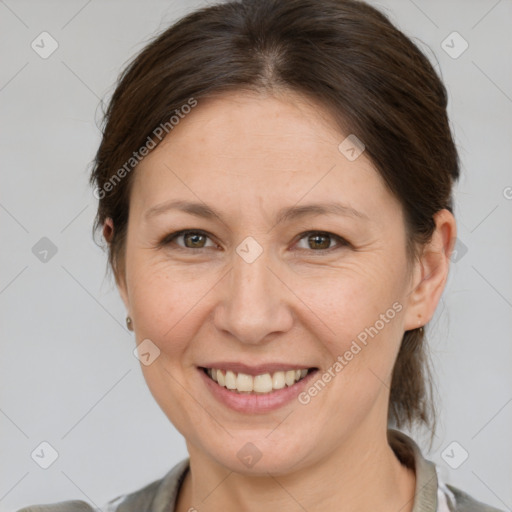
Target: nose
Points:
(255, 303)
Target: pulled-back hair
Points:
(343, 54)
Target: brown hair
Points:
(345, 55)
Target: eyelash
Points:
(168, 239)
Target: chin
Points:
(256, 455)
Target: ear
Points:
(108, 232)
(431, 272)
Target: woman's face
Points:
(256, 289)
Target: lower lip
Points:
(253, 403)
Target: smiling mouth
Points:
(262, 384)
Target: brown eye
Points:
(191, 240)
(320, 241)
(194, 240)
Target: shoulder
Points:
(461, 501)
(158, 495)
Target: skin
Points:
(248, 155)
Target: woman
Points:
(275, 187)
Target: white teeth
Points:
(230, 380)
(264, 383)
(289, 377)
(244, 382)
(278, 380)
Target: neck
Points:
(359, 476)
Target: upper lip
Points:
(259, 369)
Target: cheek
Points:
(349, 299)
(163, 306)
(361, 341)
(171, 304)
(162, 303)
(359, 318)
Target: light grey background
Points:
(68, 375)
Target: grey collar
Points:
(409, 453)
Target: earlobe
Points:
(431, 272)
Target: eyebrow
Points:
(283, 215)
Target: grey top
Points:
(431, 494)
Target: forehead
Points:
(247, 124)
(250, 146)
